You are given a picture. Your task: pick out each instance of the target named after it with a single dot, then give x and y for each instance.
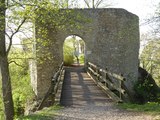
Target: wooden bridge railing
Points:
(52, 91)
(107, 80)
(56, 78)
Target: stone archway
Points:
(74, 51)
(112, 41)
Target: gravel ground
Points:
(100, 112)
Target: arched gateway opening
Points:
(74, 51)
(111, 41)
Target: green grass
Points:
(149, 108)
(35, 117)
(45, 114)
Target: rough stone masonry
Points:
(111, 41)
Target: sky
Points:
(140, 7)
(144, 9)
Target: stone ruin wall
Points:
(111, 39)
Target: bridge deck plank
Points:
(80, 90)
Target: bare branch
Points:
(98, 3)
(10, 28)
(7, 35)
(93, 4)
(23, 21)
(87, 3)
(7, 3)
(149, 21)
(10, 44)
(20, 4)
(16, 64)
(25, 34)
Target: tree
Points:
(44, 12)
(4, 65)
(150, 55)
(95, 3)
(6, 82)
(150, 59)
(154, 23)
(68, 3)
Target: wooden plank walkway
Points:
(80, 90)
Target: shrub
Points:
(21, 88)
(145, 91)
(68, 59)
(81, 58)
(68, 51)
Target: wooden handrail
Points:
(104, 76)
(114, 86)
(56, 75)
(57, 78)
(119, 77)
(54, 85)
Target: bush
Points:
(68, 59)
(19, 106)
(81, 58)
(145, 91)
(21, 88)
(68, 51)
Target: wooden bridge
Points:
(79, 86)
(79, 89)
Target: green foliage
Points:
(45, 114)
(68, 59)
(145, 91)
(21, 86)
(149, 59)
(150, 107)
(1, 107)
(49, 21)
(68, 51)
(48, 16)
(81, 58)
(20, 79)
(71, 46)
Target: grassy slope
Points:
(151, 108)
(45, 114)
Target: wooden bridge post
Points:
(120, 86)
(97, 74)
(106, 77)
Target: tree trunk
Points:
(6, 88)
(6, 82)
(93, 4)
